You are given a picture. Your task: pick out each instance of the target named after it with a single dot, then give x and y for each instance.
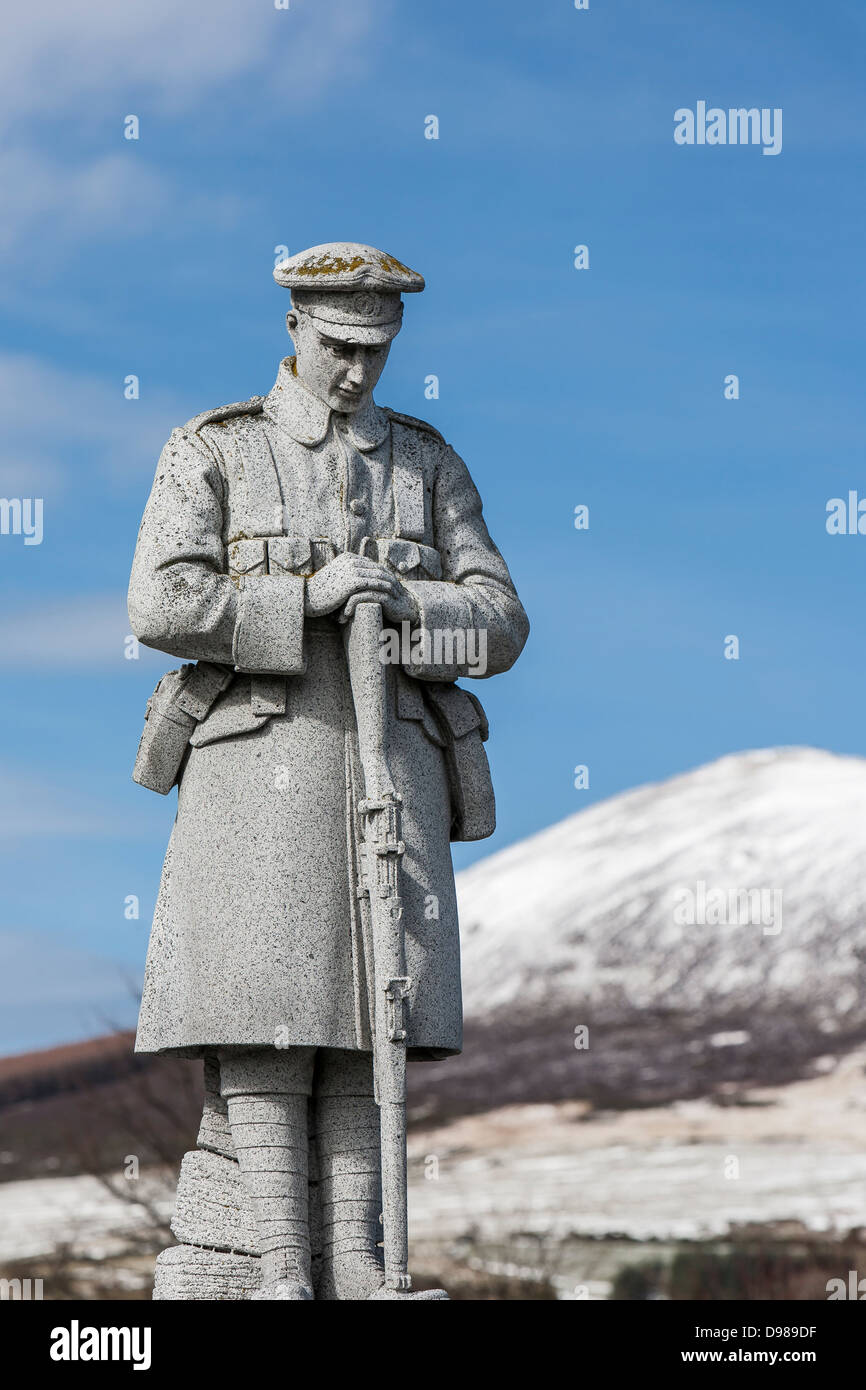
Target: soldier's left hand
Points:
(397, 608)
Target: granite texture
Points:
(263, 875)
(198, 1274)
(268, 524)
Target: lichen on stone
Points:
(330, 265)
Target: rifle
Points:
(380, 813)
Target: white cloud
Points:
(59, 57)
(81, 633)
(48, 410)
(65, 67)
(53, 205)
(31, 806)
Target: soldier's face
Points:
(341, 374)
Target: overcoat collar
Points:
(307, 419)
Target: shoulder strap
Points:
(225, 412)
(414, 422)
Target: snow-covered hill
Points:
(588, 924)
(586, 909)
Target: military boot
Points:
(350, 1193)
(269, 1132)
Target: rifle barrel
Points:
(380, 821)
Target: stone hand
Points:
(346, 576)
(398, 607)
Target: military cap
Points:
(352, 291)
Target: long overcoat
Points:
(261, 933)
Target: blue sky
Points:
(261, 128)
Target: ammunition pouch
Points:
(464, 729)
(179, 703)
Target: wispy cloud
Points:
(33, 805)
(88, 201)
(56, 56)
(78, 633)
(50, 409)
(66, 69)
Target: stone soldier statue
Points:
(268, 522)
